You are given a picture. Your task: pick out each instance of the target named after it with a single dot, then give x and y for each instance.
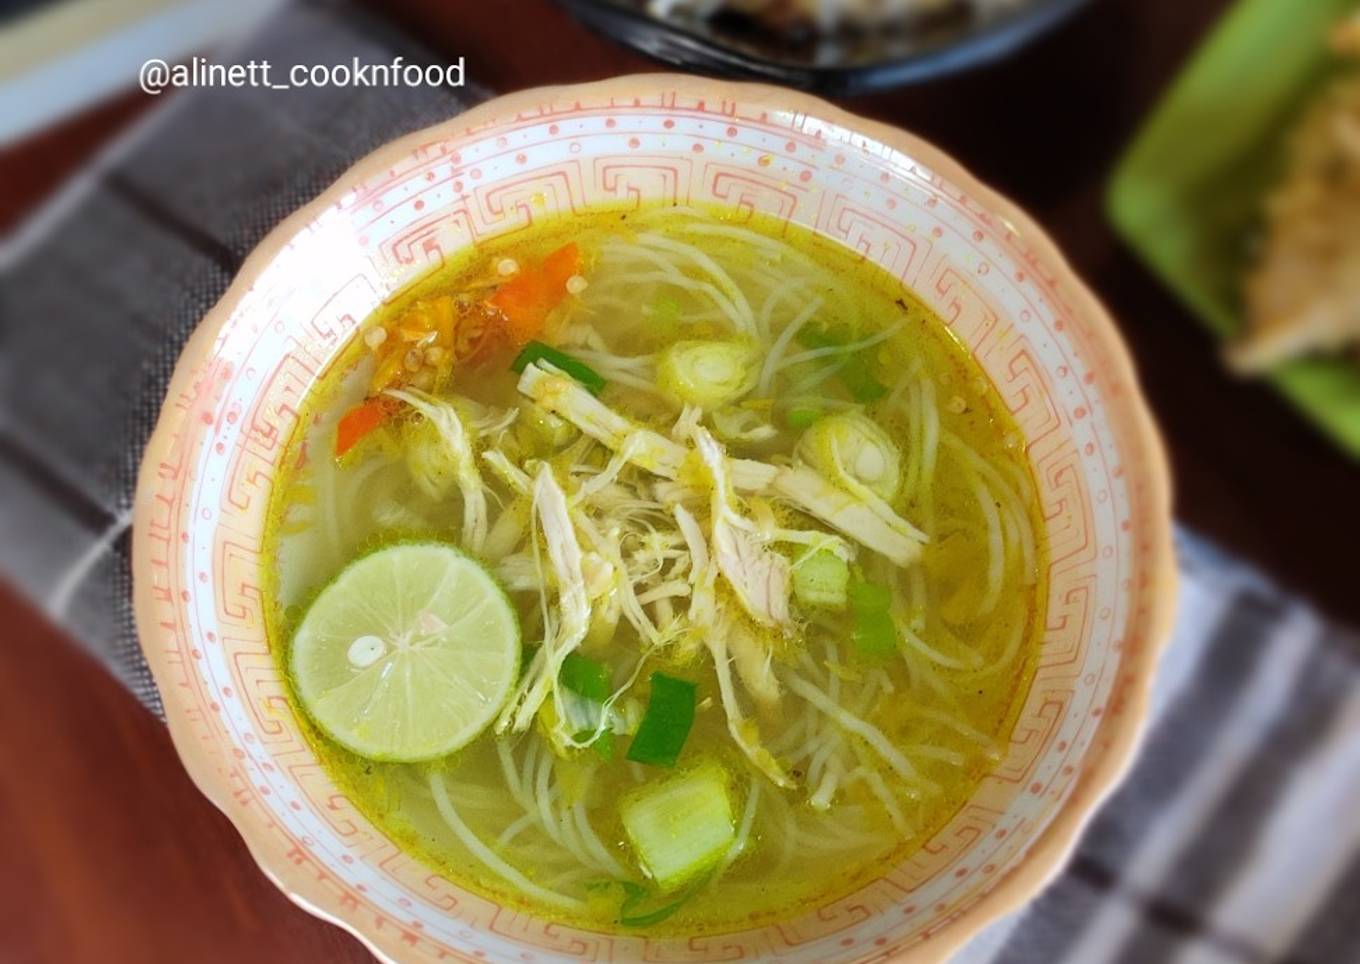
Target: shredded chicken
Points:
(708, 620)
(518, 573)
(631, 447)
(754, 659)
(508, 531)
(604, 544)
(762, 514)
(509, 473)
(688, 421)
(603, 580)
(703, 607)
(759, 576)
(573, 608)
(860, 515)
(607, 544)
(458, 440)
(742, 729)
(863, 517)
(564, 397)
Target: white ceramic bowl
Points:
(1049, 347)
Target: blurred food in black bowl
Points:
(833, 47)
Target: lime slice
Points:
(408, 654)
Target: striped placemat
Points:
(1235, 839)
(102, 288)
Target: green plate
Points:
(1188, 194)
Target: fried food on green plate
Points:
(1303, 295)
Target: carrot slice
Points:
(359, 421)
(527, 298)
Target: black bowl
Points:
(845, 63)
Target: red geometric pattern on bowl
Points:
(499, 169)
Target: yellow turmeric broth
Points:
(846, 720)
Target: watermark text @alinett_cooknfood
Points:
(156, 76)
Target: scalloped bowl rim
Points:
(1049, 849)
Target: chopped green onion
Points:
(602, 742)
(681, 827)
(545, 429)
(632, 914)
(708, 373)
(666, 724)
(665, 311)
(855, 371)
(850, 446)
(802, 415)
(631, 910)
(874, 631)
(821, 578)
(591, 680)
(860, 381)
(585, 676)
(592, 380)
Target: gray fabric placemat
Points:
(1234, 840)
(117, 272)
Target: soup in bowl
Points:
(657, 518)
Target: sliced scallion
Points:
(535, 351)
(590, 681)
(821, 578)
(585, 676)
(708, 373)
(633, 912)
(639, 906)
(666, 724)
(802, 414)
(681, 827)
(855, 373)
(602, 742)
(665, 311)
(874, 632)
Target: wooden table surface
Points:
(109, 852)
